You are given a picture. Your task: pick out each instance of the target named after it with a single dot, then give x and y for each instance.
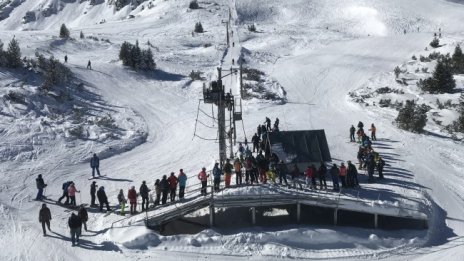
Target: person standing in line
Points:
(72, 194)
(352, 173)
(89, 65)
(321, 173)
(227, 173)
(103, 199)
(40, 187)
(295, 176)
(172, 180)
(93, 191)
(95, 165)
(44, 217)
(122, 202)
(203, 177)
(352, 131)
(75, 224)
(334, 172)
(157, 192)
(309, 173)
(373, 130)
(144, 192)
(217, 173)
(380, 165)
(132, 196)
(182, 178)
(342, 174)
(66, 58)
(255, 141)
(281, 169)
(164, 184)
(83, 215)
(238, 172)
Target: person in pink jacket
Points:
(72, 194)
(342, 175)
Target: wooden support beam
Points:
(335, 216)
(376, 221)
(211, 215)
(298, 212)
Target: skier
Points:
(83, 215)
(217, 173)
(268, 124)
(380, 165)
(122, 201)
(164, 184)
(182, 178)
(248, 170)
(281, 169)
(203, 177)
(95, 164)
(352, 130)
(144, 192)
(271, 174)
(65, 192)
(276, 124)
(66, 58)
(157, 192)
(44, 217)
(295, 176)
(93, 190)
(227, 168)
(241, 149)
(172, 180)
(352, 174)
(72, 193)
(89, 65)
(371, 168)
(233, 61)
(255, 141)
(75, 224)
(360, 125)
(342, 175)
(132, 196)
(373, 129)
(334, 172)
(103, 199)
(40, 187)
(238, 171)
(321, 173)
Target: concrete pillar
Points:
(211, 215)
(376, 221)
(253, 216)
(298, 212)
(335, 216)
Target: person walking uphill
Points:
(95, 165)
(44, 217)
(144, 190)
(40, 187)
(132, 196)
(172, 180)
(217, 173)
(352, 131)
(203, 177)
(75, 224)
(102, 198)
(65, 192)
(83, 215)
(182, 178)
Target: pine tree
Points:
(443, 77)
(13, 54)
(458, 60)
(136, 56)
(459, 123)
(194, 4)
(412, 117)
(64, 32)
(397, 71)
(124, 53)
(2, 55)
(435, 43)
(198, 28)
(148, 61)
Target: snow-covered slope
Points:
(318, 51)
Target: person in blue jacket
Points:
(95, 164)
(217, 173)
(182, 179)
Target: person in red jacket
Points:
(132, 196)
(309, 174)
(172, 180)
(342, 175)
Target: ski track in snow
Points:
(316, 66)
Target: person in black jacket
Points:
(352, 131)
(75, 223)
(352, 174)
(144, 194)
(164, 184)
(380, 165)
(102, 198)
(40, 186)
(93, 190)
(83, 215)
(321, 173)
(44, 217)
(95, 165)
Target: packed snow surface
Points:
(313, 54)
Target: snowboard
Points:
(97, 177)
